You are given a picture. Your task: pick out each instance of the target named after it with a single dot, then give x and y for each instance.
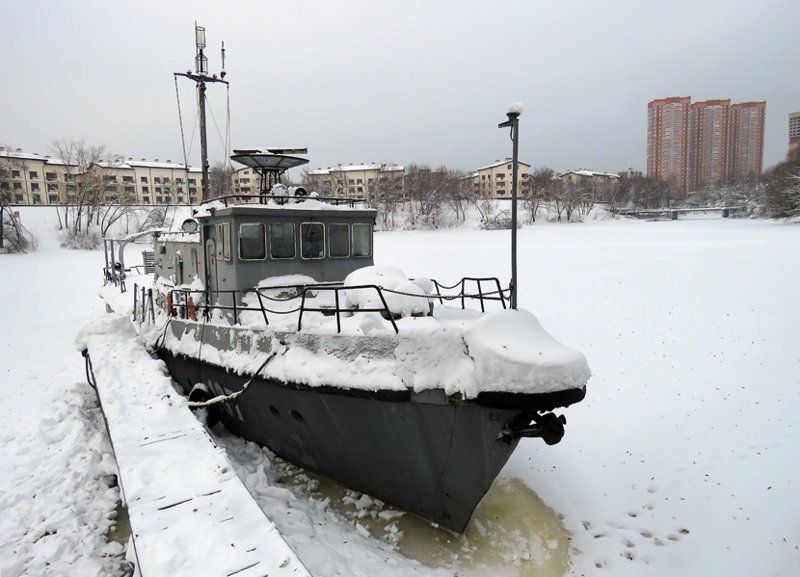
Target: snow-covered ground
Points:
(682, 459)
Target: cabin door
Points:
(211, 265)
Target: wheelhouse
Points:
(244, 244)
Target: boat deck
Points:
(189, 512)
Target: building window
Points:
(15, 174)
(192, 181)
(34, 187)
(312, 240)
(144, 180)
(281, 240)
(52, 187)
(19, 198)
(53, 199)
(252, 241)
(362, 239)
(146, 199)
(50, 176)
(33, 175)
(338, 240)
(37, 199)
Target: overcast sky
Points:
(408, 81)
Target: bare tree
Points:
(84, 183)
(219, 179)
(782, 190)
(541, 186)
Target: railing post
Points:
(135, 295)
(338, 320)
(261, 304)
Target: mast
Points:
(200, 77)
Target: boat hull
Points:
(427, 453)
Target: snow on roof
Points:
(19, 154)
(502, 162)
(356, 167)
(586, 172)
(121, 163)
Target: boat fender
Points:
(191, 309)
(200, 393)
(170, 309)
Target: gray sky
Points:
(403, 81)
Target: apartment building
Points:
(597, 185)
(246, 181)
(746, 140)
(794, 136)
(361, 180)
(707, 143)
(34, 179)
(668, 140)
(495, 180)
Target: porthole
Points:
(275, 412)
(297, 416)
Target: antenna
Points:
(222, 72)
(200, 60)
(200, 77)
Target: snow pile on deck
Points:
(407, 299)
(511, 350)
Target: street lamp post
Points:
(513, 114)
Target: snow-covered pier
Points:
(189, 512)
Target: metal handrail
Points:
(385, 312)
(179, 300)
(463, 295)
(283, 199)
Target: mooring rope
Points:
(233, 396)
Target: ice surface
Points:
(681, 460)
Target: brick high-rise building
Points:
(794, 136)
(708, 143)
(668, 140)
(746, 142)
(694, 145)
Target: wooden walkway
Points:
(190, 515)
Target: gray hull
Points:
(426, 453)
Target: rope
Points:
(232, 396)
(448, 297)
(180, 120)
(219, 134)
(228, 126)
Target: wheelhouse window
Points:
(224, 241)
(362, 240)
(312, 240)
(281, 240)
(338, 240)
(252, 241)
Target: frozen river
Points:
(681, 460)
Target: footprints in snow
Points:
(632, 535)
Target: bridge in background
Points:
(672, 213)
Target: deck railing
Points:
(183, 303)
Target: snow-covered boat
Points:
(270, 310)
